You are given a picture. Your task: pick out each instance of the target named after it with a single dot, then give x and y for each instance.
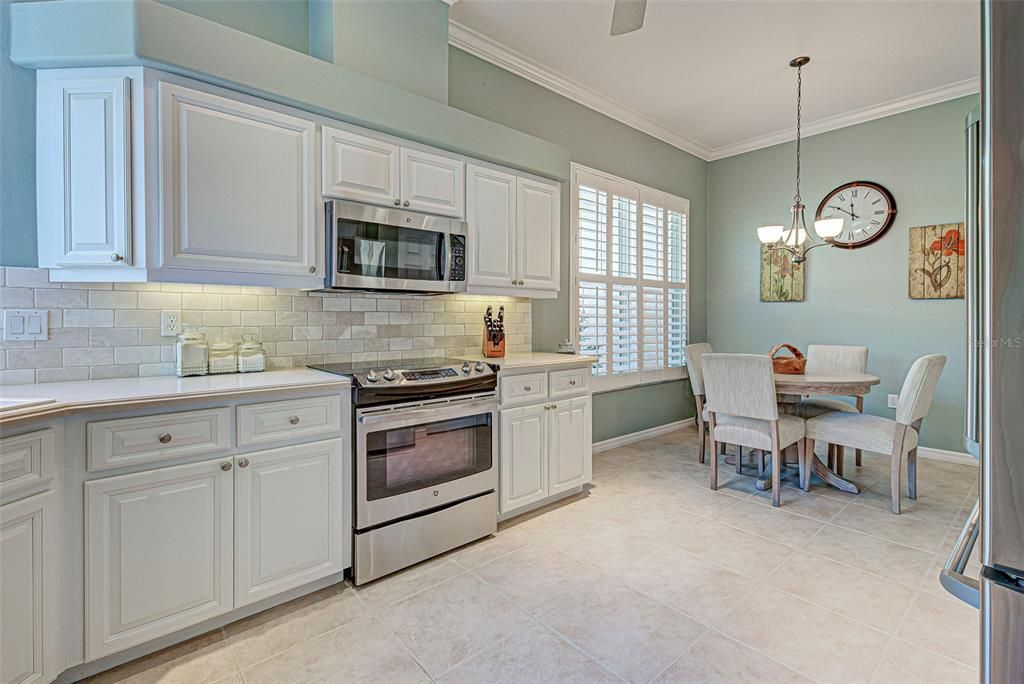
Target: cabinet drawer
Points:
(519, 389)
(565, 383)
(26, 463)
(130, 441)
(275, 421)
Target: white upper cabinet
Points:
(514, 228)
(538, 222)
(491, 215)
(432, 183)
(366, 169)
(84, 171)
(237, 186)
(359, 168)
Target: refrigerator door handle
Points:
(952, 577)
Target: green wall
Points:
(852, 297)
(285, 22)
(17, 155)
(602, 143)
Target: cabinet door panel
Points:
(524, 456)
(359, 168)
(569, 450)
(27, 561)
(432, 183)
(237, 186)
(158, 553)
(491, 214)
(289, 526)
(84, 174)
(538, 220)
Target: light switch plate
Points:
(26, 324)
(893, 400)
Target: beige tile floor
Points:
(650, 576)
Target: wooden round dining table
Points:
(791, 388)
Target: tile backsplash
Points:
(112, 330)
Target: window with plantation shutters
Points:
(629, 278)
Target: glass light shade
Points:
(769, 234)
(795, 237)
(828, 228)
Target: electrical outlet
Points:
(170, 323)
(893, 399)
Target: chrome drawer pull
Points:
(294, 420)
(243, 462)
(527, 389)
(572, 382)
(226, 466)
(165, 438)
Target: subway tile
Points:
(66, 337)
(222, 289)
(151, 369)
(389, 305)
(113, 300)
(136, 318)
(305, 303)
(137, 287)
(337, 304)
(400, 343)
(258, 318)
(180, 287)
(323, 346)
(240, 302)
(291, 318)
(160, 300)
(292, 348)
(363, 332)
(275, 333)
(88, 318)
(107, 372)
(20, 359)
(307, 332)
(275, 303)
(353, 346)
(16, 298)
(47, 298)
(377, 318)
(201, 301)
(92, 356)
(28, 277)
(337, 332)
(376, 344)
(222, 318)
(17, 377)
(364, 304)
(399, 318)
(113, 337)
(322, 318)
(151, 337)
(136, 355)
(62, 374)
(279, 362)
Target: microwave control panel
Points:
(458, 262)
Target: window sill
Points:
(604, 385)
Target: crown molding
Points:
(490, 50)
(899, 105)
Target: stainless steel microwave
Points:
(376, 248)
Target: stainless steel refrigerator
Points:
(995, 342)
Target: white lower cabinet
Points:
(286, 502)
(158, 553)
(545, 450)
(27, 565)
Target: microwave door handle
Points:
(442, 257)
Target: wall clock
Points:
(868, 211)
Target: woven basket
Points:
(788, 365)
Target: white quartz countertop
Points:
(22, 402)
(533, 359)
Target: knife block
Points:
(492, 350)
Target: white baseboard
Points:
(960, 457)
(622, 440)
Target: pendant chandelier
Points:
(797, 236)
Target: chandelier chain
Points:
(799, 90)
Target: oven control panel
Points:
(429, 375)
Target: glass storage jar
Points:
(251, 357)
(223, 357)
(191, 354)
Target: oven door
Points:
(389, 249)
(415, 457)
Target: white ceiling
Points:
(713, 77)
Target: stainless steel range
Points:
(426, 470)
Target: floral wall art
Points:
(781, 279)
(937, 261)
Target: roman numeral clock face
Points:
(868, 211)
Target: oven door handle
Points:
(952, 577)
(440, 412)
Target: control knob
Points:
(479, 367)
(371, 376)
(389, 375)
(465, 368)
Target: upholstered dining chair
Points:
(834, 357)
(743, 410)
(875, 433)
(694, 354)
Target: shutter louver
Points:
(593, 324)
(653, 329)
(625, 356)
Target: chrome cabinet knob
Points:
(165, 438)
(405, 203)
(243, 462)
(572, 382)
(312, 269)
(116, 257)
(294, 420)
(521, 282)
(226, 466)
(397, 201)
(527, 389)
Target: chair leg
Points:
(912, 473)
(776, 466)
(896, 458)
(840, 459)
(714, 463)
(721, 449)
(760, 462)
(739, 459)
(831, 456)
(703, 442)
(805, 465)
(860, 408)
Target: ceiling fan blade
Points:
(627, 16)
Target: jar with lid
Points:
(251, 357)
(191, 354)
(223, 357)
